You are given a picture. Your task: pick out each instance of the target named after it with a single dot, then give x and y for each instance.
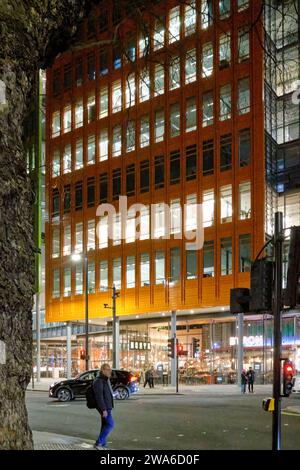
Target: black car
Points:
(124, 384)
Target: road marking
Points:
(86, 446)
(290, 414)
(180, 435)
(157, 437)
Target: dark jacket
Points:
(244, 378)
(251, 376)
(103, 393)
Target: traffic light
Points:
(171, 349)
(239, 300)
(287, 378)
(261, 285)
(196, 346)
(180, 351)
(292, 291)
(82, 354)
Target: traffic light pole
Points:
(277, 307)
(176, 358)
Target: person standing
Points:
(152, 373)
(147, 378)
(104, 404)
(251, 379)
(244, 381)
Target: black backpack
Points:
(90, 397)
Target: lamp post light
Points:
(77, 257)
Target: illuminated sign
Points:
(248, 341)
(139, 346)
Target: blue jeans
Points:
(243, 388)
(107, 425)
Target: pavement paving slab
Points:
(50, 441)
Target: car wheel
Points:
(64, 394)
(121, 393)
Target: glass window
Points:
(191, 264)
(67, 199)
(130, 91)
(79, 71)
(174, 120)
(117, 273)
(208, 109)
(145, 269)
(224, 8)
(226, 203)
(91, 277)
(174, 24)
(159, 172)
(79, 155)
(245, 200)
(159, 267)
(226, 256)
(78, 279)
(117, 141)
(208, 208)
(79, 238)
(55, 283)
(174, 73)
(159, 220)
(56, 164)
(55, 202)
(225, 152)
(143, 45)
(104, 276)
(78, 114)
(67, 119)
(206, 13)
(116, 229)
(67, 282)
(103, 232)
(174, 264)
(130, 136)
(225, 50)
(175, 212)
(67, 77)
(103, 101)
(225, 102)
(145, 223)
(55, 243)
(91, 69)
(159, 80)
(67, 240)
(244, 147)
(243, 44)
(207, 59)
(117, 96)
(145, 131)
(190, 66)
(67, 159)
(159, 129)
(78, 196)
(208, 259)
(242, 4)
(175, 167)
(244, 96)
(144, 176)
(144, 85)
(103, 145)
(130, 272)
(130, 53)
(91, 150)
(191, 115)
(91, 108)
(117, 59)
(116, 183)
(208, 157)
(55, 124)
(190, 215)
(103, 189)
(103, 61)
(159, 34)
(191, 162)
(130, 180)
(245, 253)
(91, 235)
(190, 17)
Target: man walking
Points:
(244, 381)
(147, 378)
(250, 378)
(104, 404)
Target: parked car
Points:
(123, 383)
(296, 387)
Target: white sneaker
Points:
(98, 447)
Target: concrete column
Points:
(69, 350)
(173, 360)
(38, 337)
(117, 343)
(240, 347)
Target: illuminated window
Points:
(103, 101)
(91, 277)
(67, 240)
(55, 243)
(244, 96)
(91, 108)
(130, 272)
(207, 60)
(159, 80)
(130, 226)
(117, 271)
(145, 223)
(143, 45)
(159, 34)
(55, 124)
(174, 120)
(56, 164)
(243, 44)
(174, 24)
(67, 119)
(130, 91)
(242, 4)
(117, 229)
(144, 86)
(130, 136)
(67, 282)
(245, 253)
(145, 269)
(91, 235)
(174, 73)
(116, 96)
(224, 8)
(190, 214)
(79, 237)
(159, 220)
(226, 256)
(206, 13)
(145, 131)
(102, 230)
(55, 283)
(67, 159)
(226, 203)
(78, 279)
(190, 17)
(117, 141)
(159, 127)
(208, 208)
(225, 50)
(191, 264)
(191, 115)
(175, 212)
(103, 276)
(208, 109)
(208, 259)
(103, 145)
(159, 267)
(225, 102)
(174, 264)
(91, 150)
(190, 66)
(79, 155)
(78, 114)
(245, 200)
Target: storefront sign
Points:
(139, 346)
(248, 341)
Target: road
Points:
(171, 422)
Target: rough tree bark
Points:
(32, 32)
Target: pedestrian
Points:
(251, 379)
(104, 404)
(152, 374)
(147, 378)
(244, 380)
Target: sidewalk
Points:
(50, 441)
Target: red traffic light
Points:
(179, 349)
(82, 354)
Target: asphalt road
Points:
(171, 422)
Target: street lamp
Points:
(76, 257)
(115, 335)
